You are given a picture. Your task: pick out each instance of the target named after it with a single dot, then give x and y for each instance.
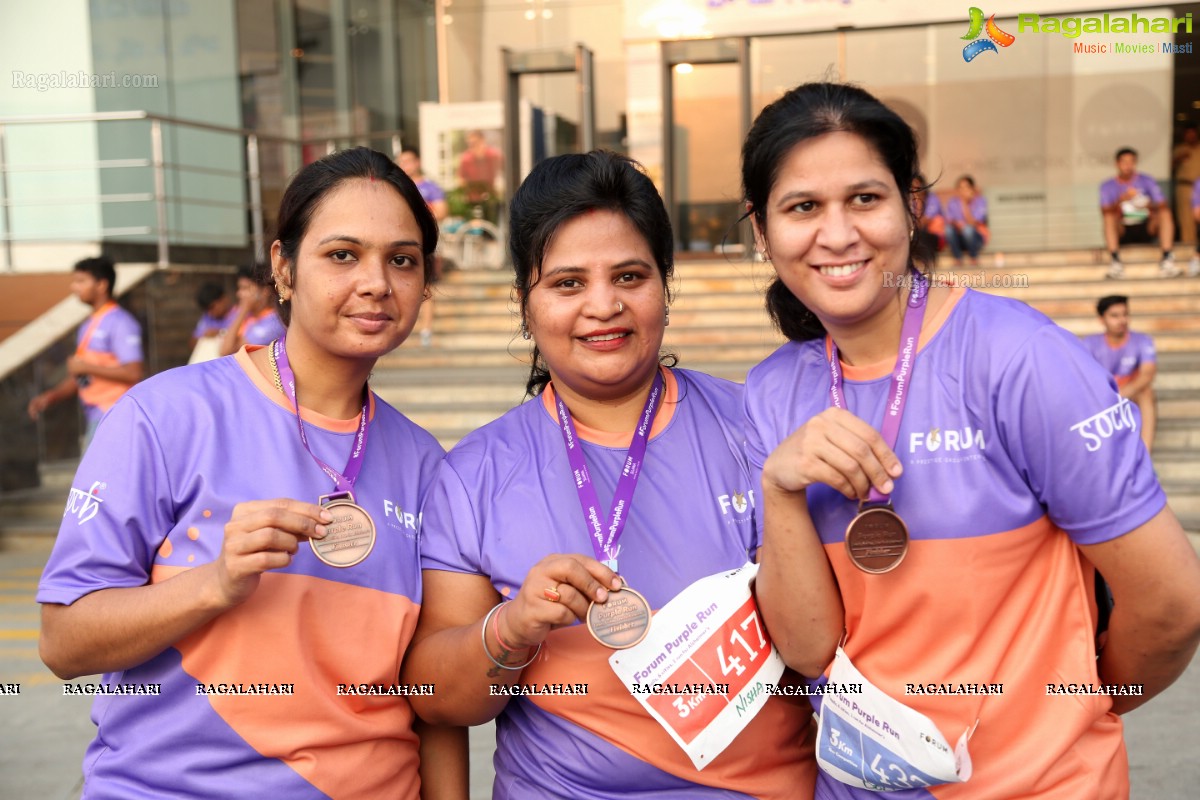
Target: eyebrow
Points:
(854, 188)
(571, 269)
(341, 237)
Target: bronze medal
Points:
(350, 537)
(621, 621)
(877, 539)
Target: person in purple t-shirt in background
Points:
(1134, 212)
(931, 225)
(254, 319)
(1194, 265)
(108, 349)
(1129, 357)
(219, 314)
(966, 221)
(218, 310)
(410, 161)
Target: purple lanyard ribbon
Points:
(345, 479)
(604, 544)
(910, 332)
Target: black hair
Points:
(258, 272)
(312, 184)
(970, 181)
(209, 293)
(101, 268)
(806, 112)
(564, 187)
(1109, 301)
(408, 148)
(1125, 151)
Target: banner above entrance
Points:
(699, 19)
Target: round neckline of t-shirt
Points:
(1124, 341)
(620, 440)
(930, 328)
(268, 390)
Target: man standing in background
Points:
(108, 350)
(1185, 162)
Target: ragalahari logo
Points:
(995, 36)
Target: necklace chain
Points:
(274, 367)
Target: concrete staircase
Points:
(475, 369)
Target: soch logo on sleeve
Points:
(84, 505)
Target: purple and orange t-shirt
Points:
(1124, 360)
(110, 337)
(150, 501)
(505, 498)
(1015, 449)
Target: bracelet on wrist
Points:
(487, 651)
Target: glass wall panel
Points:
(707, 142)
(778, 63)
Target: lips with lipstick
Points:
(606, 338)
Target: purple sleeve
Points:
(933, 206)
(431, 192)
(1196, 195)
(1150, 187)
(954, 210)
(126, 339)
(117, 514)
(450, 531)
(1074, 439)
(201, 327)
(979, 208)
(276, 327)
(1145, 349)
(756, 452)
(1110, 193)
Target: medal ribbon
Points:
(910, 332)
(344, 479)
(604, 543)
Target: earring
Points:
(525, 331)
(280, 299)
(666, 316)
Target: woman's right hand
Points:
(576, 579)
(837, 449)
(262, 535)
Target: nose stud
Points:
(620, 306)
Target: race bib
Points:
(703, 669)
(872, 741)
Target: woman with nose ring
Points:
(588, 558)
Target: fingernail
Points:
(617, 583)
(319, 532)
(887, 487)
(601, 595)
(896, 470)
(326, 516)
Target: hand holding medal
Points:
(842, 451)
(557, 591)
(263, 535)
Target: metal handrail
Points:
(251, 177)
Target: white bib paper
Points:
(703, 669)
(873, 741)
